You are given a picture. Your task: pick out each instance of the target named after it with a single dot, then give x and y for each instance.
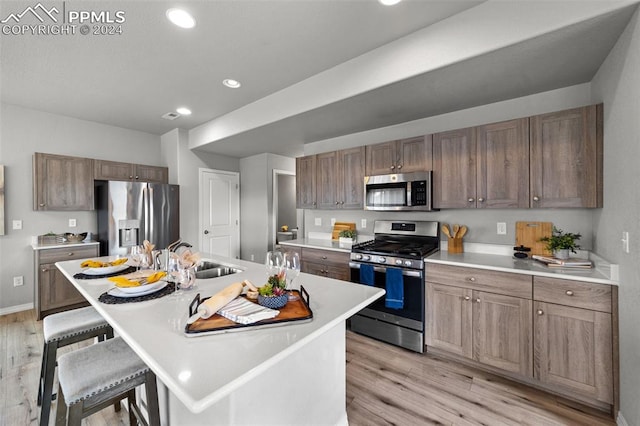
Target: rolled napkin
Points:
(188, 259)
(100, 264)
(242, 311)
(122, 281)
(148, 247)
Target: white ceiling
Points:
(131, 80)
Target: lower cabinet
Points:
(562, 337)
(326, 263)
(54, 293)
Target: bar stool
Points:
(96, 376)
(62, 329)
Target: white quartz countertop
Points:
(325, 244)
(520, 266)
(37, 246)
(202, 370)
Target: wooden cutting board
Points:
(528, 234)
(341, 226)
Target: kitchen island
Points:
(293, 374)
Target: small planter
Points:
(561, 254)
(346, 240)
(273, 302)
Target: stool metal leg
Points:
(50, 368)
(42, 370)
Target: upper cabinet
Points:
(402, 156)
(62, 182)
(566, 158)
(113, 170)
(332, 180)
(454, 169)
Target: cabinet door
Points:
(454, 169)
(56, 290)
(449, 313)
(503, 164)
(313, 268)
(306, 182)
(414, 154)
(566, 151)
(113, 170)
(351, 178)
(381, 158)
(151, 174)
(572, 350)
(502, 332)
(62, 183)
(326, 185)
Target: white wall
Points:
(25, 131)
(481, 222)
(617, 84)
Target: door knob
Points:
(206, 232)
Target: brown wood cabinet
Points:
(332, 180)
(326, 263)
(114, 170)
(54, 293)
(62, 182)
(566, 158)
(400, 156)
(306, 182)
(482, 167)
(492, 327)
(573, 342)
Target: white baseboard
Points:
(620, 421)
(17, 308)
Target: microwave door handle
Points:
(405, 272)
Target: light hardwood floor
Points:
(386, 385)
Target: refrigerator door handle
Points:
(150, 215)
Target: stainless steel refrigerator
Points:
(131, 212)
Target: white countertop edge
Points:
(37, 246)
(197, 406)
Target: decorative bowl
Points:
(273, 302)
(75, 238)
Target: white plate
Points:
(137, 291)
(106, 270)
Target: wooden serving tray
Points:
(296, 310)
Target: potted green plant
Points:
(560, 243)
(347, 236)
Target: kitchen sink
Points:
(213, 270)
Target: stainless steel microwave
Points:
(408, 191)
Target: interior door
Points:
(220, 213)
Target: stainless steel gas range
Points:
(394, 261)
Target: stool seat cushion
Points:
(72, 323)
(98, 368)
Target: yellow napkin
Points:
(99, 264)
(122, 281)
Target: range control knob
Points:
(366, 257)
(358, 256)
(382, 259)
(398, 261)
(407, 262)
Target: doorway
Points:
(284, 212)
(220, 213)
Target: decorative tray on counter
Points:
(293, 311)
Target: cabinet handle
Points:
(569, 293)
(536, 198)
(130, 177)
(471, 200)
(43, 270)
(70, 253)
(137, 177)
(392, 167)
(399, 166)
(324, 257)
(42, 204)
(341, 202)
(540, 312)
(472, 279)
(467, 298)
(478, 300)
(481, 200)
(337, 202)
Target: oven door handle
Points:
(383, 269)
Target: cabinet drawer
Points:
(325, 256)
(595, 297)
(70, 253)
(517, 285)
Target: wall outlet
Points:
(502, 228)
(363, 223)
(18, 281)
(318, 221)
(72, 223)
(253, 258)
(17, 224)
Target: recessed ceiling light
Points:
(181, 18)
(183, 111)
(389, 2)
(229, 82)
